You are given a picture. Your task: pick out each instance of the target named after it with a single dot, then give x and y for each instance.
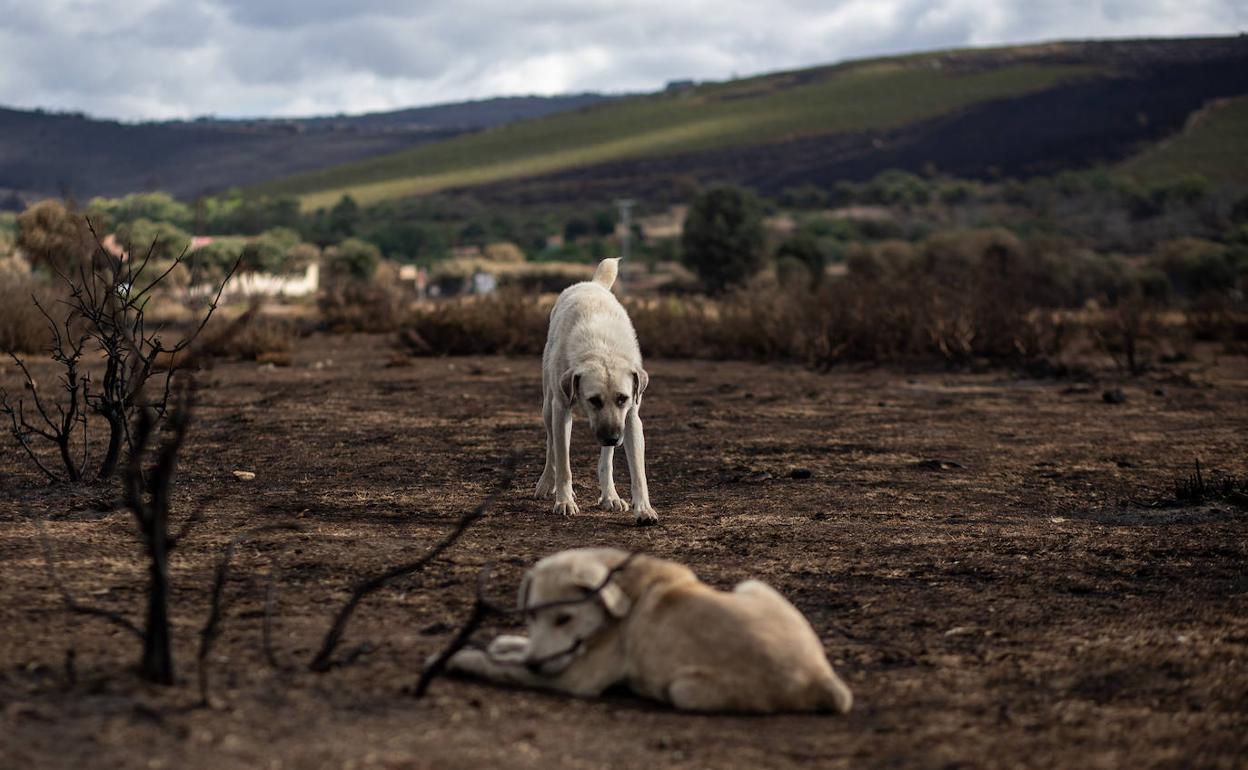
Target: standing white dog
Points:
(592, 359)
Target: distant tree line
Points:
(1180, 237)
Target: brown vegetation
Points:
(264, 339)
(23, 329)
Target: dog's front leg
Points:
(635, 448)
(546, 484)
(504, 668)
(484, 664)
(609, 499)
(565, 498)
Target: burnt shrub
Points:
(1196, 267)
(363, 306)
(506, 322)
(264, 339)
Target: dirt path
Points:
(965, 544)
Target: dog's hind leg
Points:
(546, 484)
(698, 690)
(609, 499)
(635, 448)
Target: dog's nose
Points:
(609, 440)
(533, 665)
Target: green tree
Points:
(576, 228)
(217, 257)
(802, 247)
(166, 241)
(898, 188)
(351, 260)
(604, 222)
(473, 234)
(723, 237)
(344, 217)
(156, 206)
(270, 251)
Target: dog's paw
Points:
(545, 487)
(509, 647)
(644, 515)
(612, 503)
(566, 508)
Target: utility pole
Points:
(625, 205)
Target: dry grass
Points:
(849, 320)
(509, 322)
(23, 329)
(364, 307)
(263, 339)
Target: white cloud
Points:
(137, 59)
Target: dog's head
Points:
(568, 601)
(605, 394)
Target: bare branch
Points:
(133, 301)
(21, 430)
(323, 660)
(68, 599)
(212, 627)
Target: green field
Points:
(871, 95)
(1214, 145)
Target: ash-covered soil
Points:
(971, 547)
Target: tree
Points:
(802, 247)
(351, 260)
(576, 228)
(104, 318)
(344, 217)
(270, 252)
(154, 206)
(604, 222)
(52, 236)
(723, 237)
(166, 241)
(216, 257)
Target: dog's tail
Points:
(607, 270)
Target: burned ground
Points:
(971, 547)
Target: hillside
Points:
(1214, 143)
(1017, 111)
(52, 154)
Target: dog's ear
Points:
(615, 600)
(569, 383)
(611, 595)
(640, 381)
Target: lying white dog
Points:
(592, 359)
(598, 617)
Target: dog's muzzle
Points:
(538, 665)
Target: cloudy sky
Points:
(150, 59)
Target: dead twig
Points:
(68, 599)
(324, 658)
(212, 626)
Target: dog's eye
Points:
(621, 400)
(595, 402)
(563, 620)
